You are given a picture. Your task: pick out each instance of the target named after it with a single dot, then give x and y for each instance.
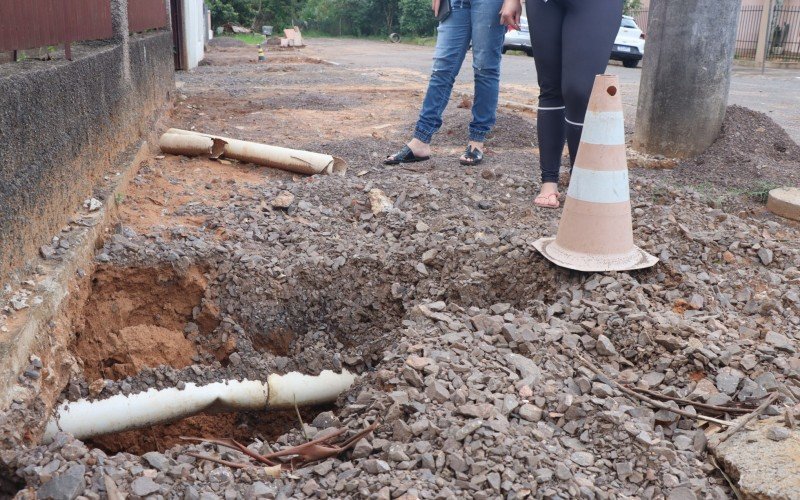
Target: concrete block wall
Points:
(63, 124)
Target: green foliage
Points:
(333, 17)
(255, 13)
(416, 17)
(631, 5)
(351, 17)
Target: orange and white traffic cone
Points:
(595, 233)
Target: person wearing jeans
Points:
(482, 22)
(572, 41)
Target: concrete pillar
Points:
(119, 25)
(763, 28)
(686, 75)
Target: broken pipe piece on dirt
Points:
(190, 145)
(293, 160)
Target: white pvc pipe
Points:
(295, 388)
(85, 419)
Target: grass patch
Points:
(425, 41)
(248, 38)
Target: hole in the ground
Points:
(149, 317)
(516, 279)
(243, 427)
(142, 317)
(10, 483)
(313, 318)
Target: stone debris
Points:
(464, 338)
(93, 204)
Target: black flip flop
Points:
(472, 156)
(405, 155)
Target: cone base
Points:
(636, 259)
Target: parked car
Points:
(629, 45)
(519, 39)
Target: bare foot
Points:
(548, 196)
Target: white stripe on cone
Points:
(604, 127)
(599, 186)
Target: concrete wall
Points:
(194, 30)
(62, 125)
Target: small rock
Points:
(696, 301)
(65, 486)
(374, 466)
(563, 472)
(157, 460)
(283, 200)
(681, 493)
(93, 204)
(781, 342)
(484, 410)
(526, 367)
(605, 347)
(467, 429)
(379, 202)
(778, 433)
(144, 486)
(530, 413)
(582, 458)
(766, 256)
(728, 380)
(47, 252)
(362, 449)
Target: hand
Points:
(435, 7)
(510, 13)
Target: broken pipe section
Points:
(293, 160)
(85, 419)
(191, 145)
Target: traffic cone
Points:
(595, 233)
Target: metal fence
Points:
(784, 35)
(146, 15)
(640, 16)
(28, 24)
(747, 34)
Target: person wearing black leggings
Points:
(572, 42)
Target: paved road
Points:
(777, 93)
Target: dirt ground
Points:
(471, 348)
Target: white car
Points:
(519, 39)
(629, 45)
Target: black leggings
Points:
(572, 42)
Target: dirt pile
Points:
(752, 155)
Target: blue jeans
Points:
(470, 20)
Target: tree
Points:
(631, 5)
(416, 17)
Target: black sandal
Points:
(472, 156)
(405, 155)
